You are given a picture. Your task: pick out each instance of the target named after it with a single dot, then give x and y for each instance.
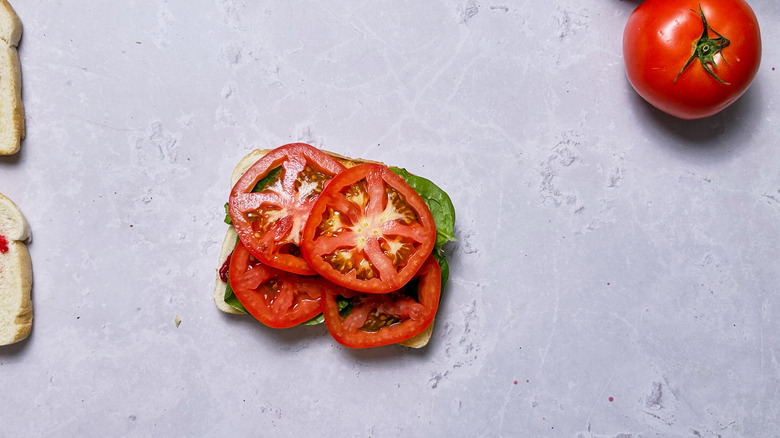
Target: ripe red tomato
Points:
(691, 58)
(372, 320)
(276, 298)
(269, 219)
(369, 230)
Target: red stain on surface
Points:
(3, 244)
(611, 399)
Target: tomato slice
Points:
(369, 230)
(269, 221)
(372, 320)
(277, 298)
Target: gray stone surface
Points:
(616, 272)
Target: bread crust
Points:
(15, 274)
(228, 244)
(10, 24)
(12, 125)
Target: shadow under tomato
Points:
(292, 338)
(390, 355)
(721, 133)
(296, 338)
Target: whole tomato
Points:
(691, 58)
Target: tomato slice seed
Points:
(357, 194)
(397, 249)
(332, 224)
(377, 321)
(310, 182)
(348, 260)
(398, 209)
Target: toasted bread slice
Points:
(12, 128)
(229, 242)
(15, 274)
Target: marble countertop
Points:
(616, 271)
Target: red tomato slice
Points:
(369, 230)
(269, 222)
(276, 298)
(382, 319)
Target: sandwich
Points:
(315, 237)
(15, 274)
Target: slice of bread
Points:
(10, 24)
(229, 242)
(12, 128)
(15, 274)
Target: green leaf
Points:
(443, 213)
(438, 202)
(319, 319)
(231, 299)
(445, 268)
(228, 219)
(267, 179)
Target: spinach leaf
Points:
(228, 219)
(267, 179)
(438, 202)
(444, 266)
(231, 299)
(341, 302)
(319, 319)
(443, 213)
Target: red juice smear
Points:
(223, 270)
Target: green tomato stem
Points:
(705, 49)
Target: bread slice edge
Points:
(12, 124)
(16, 309)
(10, 24)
